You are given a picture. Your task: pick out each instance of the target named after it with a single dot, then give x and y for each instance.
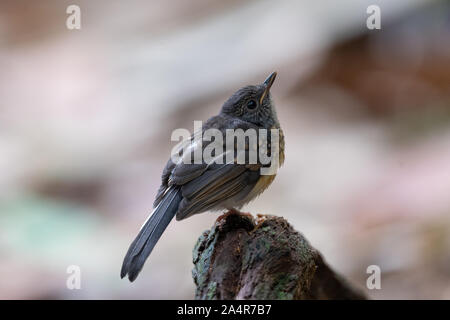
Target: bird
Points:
(191, 188)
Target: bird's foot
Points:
(233, 211)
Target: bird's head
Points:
(253, 104)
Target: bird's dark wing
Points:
(205, 185)
(215, 186)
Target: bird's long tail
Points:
(150, 233)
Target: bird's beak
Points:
(267, 84)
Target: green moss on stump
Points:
(244, 258)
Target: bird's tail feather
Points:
(150, 233)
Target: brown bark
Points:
(240, 258)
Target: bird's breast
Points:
(264, 181)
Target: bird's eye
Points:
(251, 104)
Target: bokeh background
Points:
(86, 117)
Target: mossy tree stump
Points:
(244, 258)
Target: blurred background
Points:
(86, 117)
